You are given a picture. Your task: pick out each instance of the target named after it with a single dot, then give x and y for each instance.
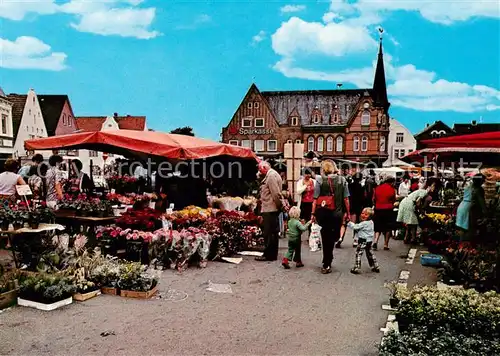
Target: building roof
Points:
(472, 128)
(18, 103)
(282, 103)
(94, 123)
(52, 107)
(437, 124)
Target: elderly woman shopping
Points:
(407, 213)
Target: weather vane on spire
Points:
(381, 31)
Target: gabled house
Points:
(436, 130)
(6, 131)
(27, 122)
(102, 123)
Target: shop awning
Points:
(468, 155)
(151, 143)
(482, 140)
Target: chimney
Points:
(474, 122)
(115, 114)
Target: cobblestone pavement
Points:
(271, 311)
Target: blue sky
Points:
(191, 62)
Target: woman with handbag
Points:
(330, 208)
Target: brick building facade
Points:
(343, 124)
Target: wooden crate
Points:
(8, 298)
(111, 291)
(139, 295)
(86, 296)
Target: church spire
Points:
(379, 84)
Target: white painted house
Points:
(401, 142)
(27, 122)
(103, 123)
(6, 131)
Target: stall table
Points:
(26, 230)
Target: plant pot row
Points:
(129, 293)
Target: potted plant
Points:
(9, 287)
(4, 219)
(136, 282)
(46, 292)
(393, 294)
(85, 290)
(106, 276)
(34, 219)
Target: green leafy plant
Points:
(46, 289)
(135, 277)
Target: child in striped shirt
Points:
(365, 231)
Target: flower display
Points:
(144, 220)
(129, 199)
(122, 184)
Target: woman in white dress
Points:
(407, 213)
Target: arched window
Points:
(339, 144)
(365, 118)
(364, 144)
(382, 144)
(329, 144)
(320, 144)
(310, 143)
(355, 146)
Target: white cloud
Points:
(120, 22)
(112, 17)
(197, 22)
(104, 17)
(331, 16)
(261, 36)
(17, 9)
(292, 8)
(443, 11)
(30, 53)
(297, 36)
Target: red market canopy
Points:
(482, 140)
(484, 155)
(132, 142)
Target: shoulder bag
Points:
(327, 201)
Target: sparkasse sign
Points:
(264, 131)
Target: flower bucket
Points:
(86, 296)
(42, 306)
(8, 298)
(110, 290)
(139, 295)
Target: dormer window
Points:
(316, 116)
(295, 121)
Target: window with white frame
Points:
(298, 141)
(402, 153)
(259, 122)
(233, 142)
(400, 137)
(329, 144)
(316, 118)
(320, 144)
(246, 143)
(250, 105)
(364, 144)
(272, 145)
(310, 143)
(258, 145)
(396, 153)
(256, 105)
(355, 146)
(69, 120)
(382, 144)
(246, 122)
(365, 118)
(4, 123)
(340, 144)
(289, 141)
(295, 121)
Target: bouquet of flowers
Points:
(122, 184)
(252, 236)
